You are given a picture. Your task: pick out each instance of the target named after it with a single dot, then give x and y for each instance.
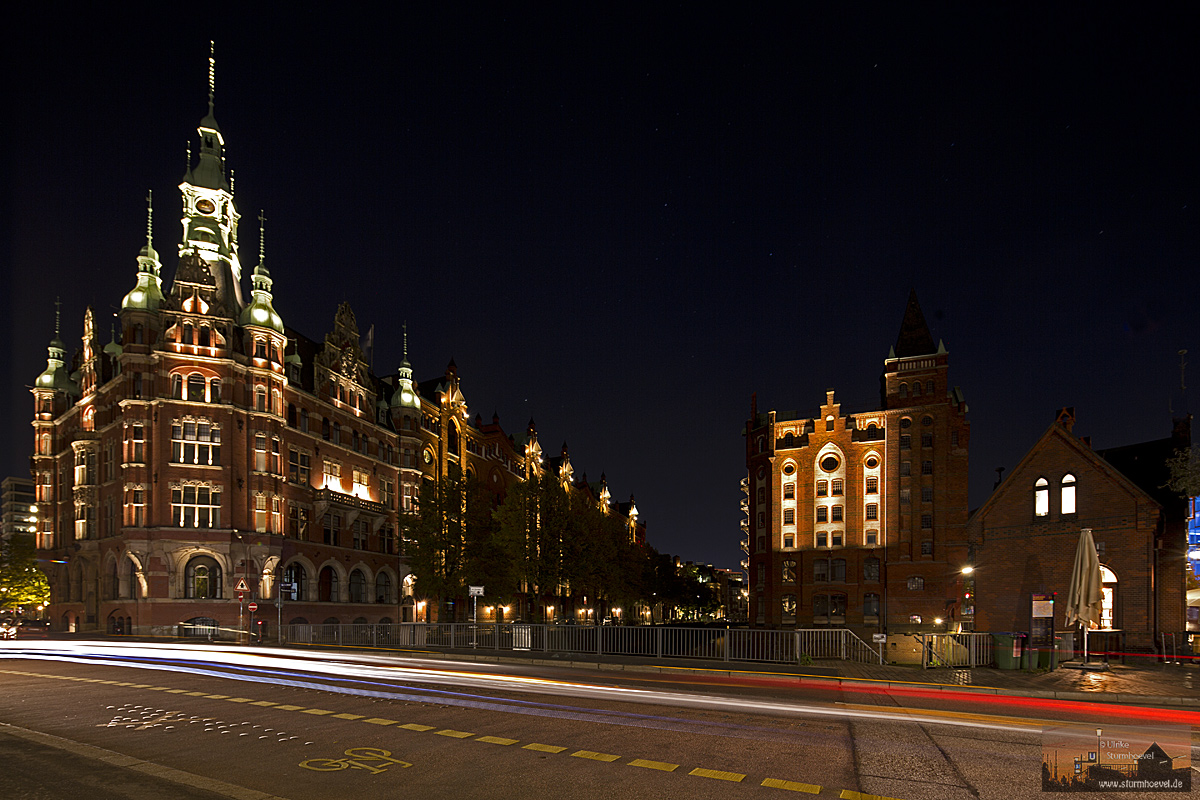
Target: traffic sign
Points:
(476, 591)
(253, 607)
(241, 586)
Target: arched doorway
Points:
(1108, 590)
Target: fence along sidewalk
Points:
(714, 644)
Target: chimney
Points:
(1066, 417)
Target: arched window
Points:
(358, 587)
(291, 415)
(789, 441)
(383, 588)
(1108, 597)
(214, 393)
(298, 578)
(1068, 494)
(1041, 497)
(114, 581)
(177, 387)
(904, 390)
(202, 579)
(304, 420)
(195, 387)
(260, 399)
(916, 389)
(453, 443)
(928, 387)
(337, 433)
(327, 586)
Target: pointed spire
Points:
(212, 73)
(405, 394)
(57, 318)
(260, 312)
(914, 338)
(55, 375)
(148, 292)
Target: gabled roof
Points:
(914, 338)
(1085, 453)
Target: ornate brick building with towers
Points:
(857, 518)
(207, 446)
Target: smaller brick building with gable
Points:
(1023, 539)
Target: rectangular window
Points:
(822, 514)
(359, 530)
(822, 488)
(954, 438)
(762, 574)
(276, 515)
(260, 513)
(407, 496)
(196, 442)
(926, 521)
(297, 521)
(822, 539)
(916, 584)
(821, 570)
(196, 506)
(333, 474)
(871, 570)
(137, 444)
(926, 548)
(905, 468)
(837, 570)
(789, 572)
(260, 453)
(926, 440)
(837, 487)
(137, 508)
(905, 497)
(905, 442)
(837, 514)
(926, 494)
(926, 467)
(789, 516)
(332, 524)
(872, 538)
(835, 539)
(872, 485)
(789, 491)
(789, 542)
(387, 490)
(872, 511)
(870, 605)
(361, 482)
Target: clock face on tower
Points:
(205, 206)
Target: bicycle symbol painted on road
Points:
(373, 759)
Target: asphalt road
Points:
(127, 722)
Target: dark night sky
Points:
(622, 223)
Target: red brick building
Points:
(1024, 537)
(858, 518)
(208, 444)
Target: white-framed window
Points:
(1041, 497)
(1068, 494)
(260, 513)
(362, 481)
(195, 442)
(299, 466)
(333, 474)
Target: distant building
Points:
(858, 518)
(19, 512)
(1025, 536)
(207, 446)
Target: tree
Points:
(533, 521)
(22, 583)
(437, 544)
(1184, 471)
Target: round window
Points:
(829, 463)
(762, 473)
(789, 469)
(926, 421)
(906, 423)
(205, 206)
(872, 462)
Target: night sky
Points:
(622, 223)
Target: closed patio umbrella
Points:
(1084, 598)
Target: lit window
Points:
(789, 605)
(1041, 497)
(196, 442)
(196, 506)
(789, 572)
(260, 513)
(916, 584)
(1068, 494)
(195, 388)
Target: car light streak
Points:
(277, 663)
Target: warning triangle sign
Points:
(241, 586)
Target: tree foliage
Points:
(22, 583)
(1183, 469)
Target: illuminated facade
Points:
(857, 519)
(207, 444)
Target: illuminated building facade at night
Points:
(857, 519)
(207, 444)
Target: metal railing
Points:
(715, 644)
(957, 650)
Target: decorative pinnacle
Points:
(57, 306)
(406, 340)
(230, 176)
(262, 221)
(212, 72)
(187, 166)
(150, 219)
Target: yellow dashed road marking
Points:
(659, 765)
(496, 740)
(288, 708)
(455, 734)
(792, 786)
(736, 777)
(412, 726)
(320, 712)
(380, 721)
(212, 696)
(159, 688)
(143, 686)
(847, 794)
(188, 694)
(176, 691)
(544, 748)
(239, 699)
(343, 716)
(263, 703)
(594, 756)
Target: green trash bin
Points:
(1008, 649)
(1043, 658)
